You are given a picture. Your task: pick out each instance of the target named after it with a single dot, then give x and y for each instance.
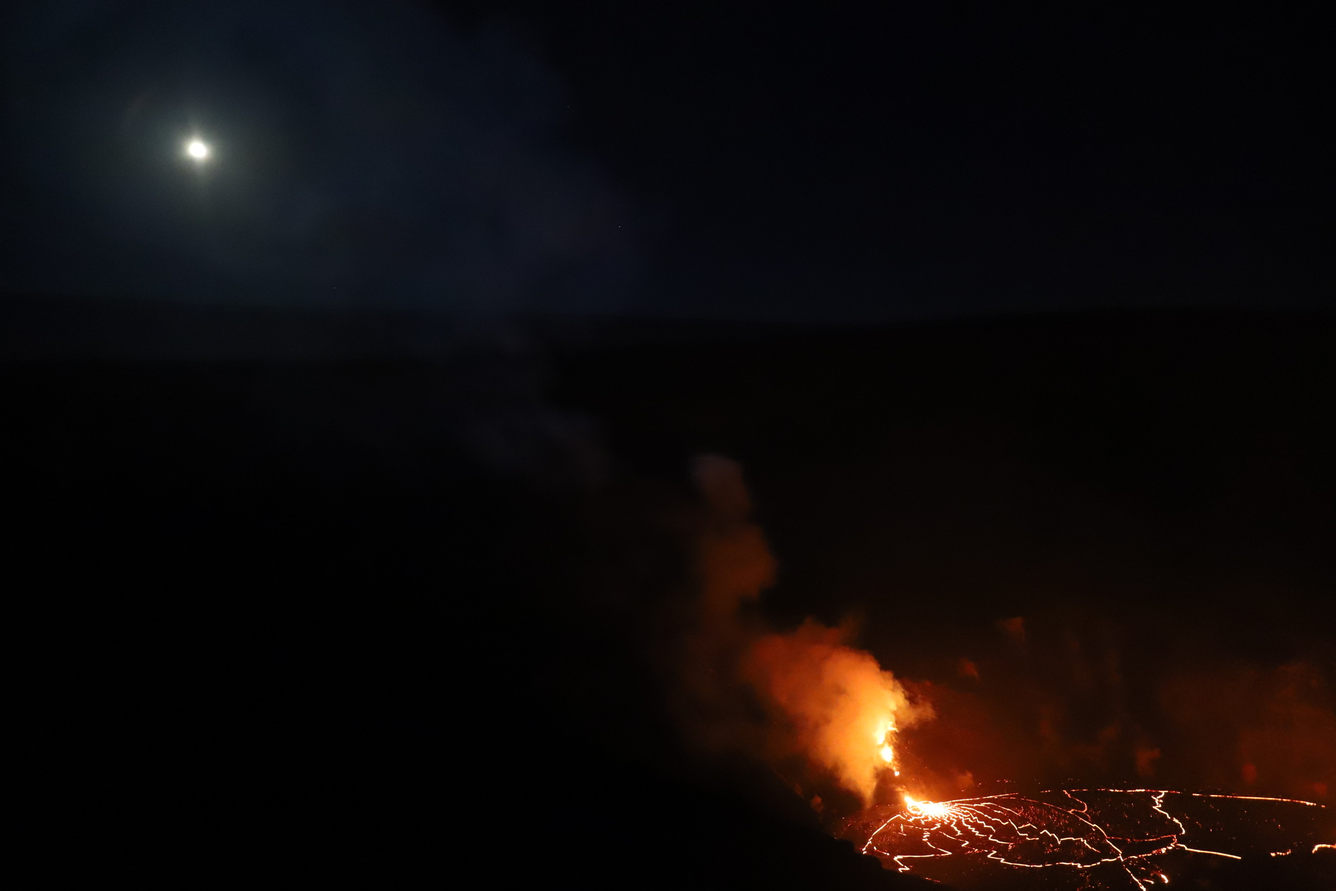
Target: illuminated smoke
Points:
(842, 709)
(734, 561)
(823, 700)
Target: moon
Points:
(198, 150)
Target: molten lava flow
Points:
(935, 809)
(884, 738)
(1100, 838)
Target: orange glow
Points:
(933, 809)
(844, 708)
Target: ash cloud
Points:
(363, 154)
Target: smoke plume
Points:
(804, 698)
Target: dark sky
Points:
(817, 162)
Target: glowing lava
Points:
(1085, 838)
(935, 809)
(887, 751)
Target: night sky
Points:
(404, 489)
(747, 161)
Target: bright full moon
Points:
(197, 149)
